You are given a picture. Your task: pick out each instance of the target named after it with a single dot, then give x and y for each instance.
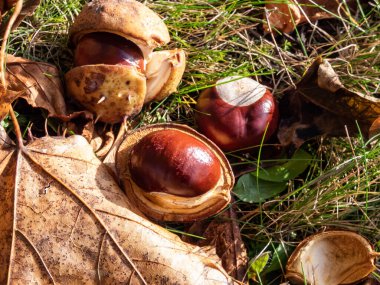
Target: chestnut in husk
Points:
(236, 113)
(116, 70)
(173, 173)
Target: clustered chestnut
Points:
(116, 70)
(236, 113)
(174, 173)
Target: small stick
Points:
(8, 29)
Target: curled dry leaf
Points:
(101, 138)
(28, 8)
(321, 105)
(5, 5)
(37, 82)
(374, 130)
(285, 17)
(223, 234)
(66, 221)
(331, 258)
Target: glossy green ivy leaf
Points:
(287, 171)
(253, 190)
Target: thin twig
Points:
(8, 29)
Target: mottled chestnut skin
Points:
(234, 127)
(174, 162)
(107, 48)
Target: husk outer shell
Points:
(347, 259)
(109, 91)
(167, 207)
(127, 18)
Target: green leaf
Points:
(287, 171)
(279, 259)
(257, 265)
(253, 190)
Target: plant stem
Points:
(8, 29)
(16, 127)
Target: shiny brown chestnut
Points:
(173, 173)
(116, 70)
(107, 48)
(236, 113)
(174, 162)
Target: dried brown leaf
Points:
(99, 138)
(66, 221)
(28, 8)
(37, 82)
(223, 234)
(321, 105)
(375, 128)
(285, 17)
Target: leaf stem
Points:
(16, 127)
(16, 13)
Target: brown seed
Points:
(174, 162)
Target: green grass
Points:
(221, 38)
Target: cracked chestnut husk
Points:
(331, 258)
(173, 173)
(116, 70)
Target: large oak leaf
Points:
(64, 220)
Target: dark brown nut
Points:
(174, 173)
(107, 48)
(173, 162)
(236, 113)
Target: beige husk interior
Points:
(167, 207)
(331, 258)
(164, 72)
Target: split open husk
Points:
(167, 207)
(331, 258)
(140, 25)
(127, 18)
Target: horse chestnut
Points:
(116, 68)
(107, 48)
(173, 173)
(174, 162)
(236, 113)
